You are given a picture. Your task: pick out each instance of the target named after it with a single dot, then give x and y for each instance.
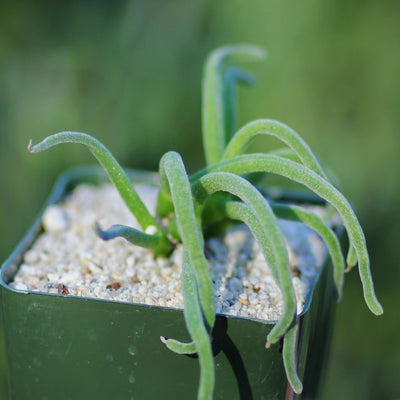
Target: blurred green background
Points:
(130, 74)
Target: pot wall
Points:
(69, 347)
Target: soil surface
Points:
(69, 259)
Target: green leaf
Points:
(197, 330)
(232, 77)
(179, 347)
(289, 359)
(265, 227)
(268, 127)
(237, 210)
(296, 213)
(132, 235)
(174, 178)
(214, 129)
(116, 174)
(273, 164)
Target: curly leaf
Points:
(237, 210)
(351, 258)
(265, 228)
(297, 172)
(174, 178)
(132, 235)
(296, 213)
(232, 77)
(179, 347)
(116, 174)
(249, 132)
(197, 330)
(289, 359)
(214, 130)
(291, 155)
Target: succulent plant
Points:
(187, 208)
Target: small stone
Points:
(52, 277)
(243, 296)
(54, 219)
(70, 277)
(114, 286)
(243, 301)
(62, 289)
(21, 286)
(251, 310)
(130, 261)
(33, 281)
(228, 295)
(31, 257)
(235, 284)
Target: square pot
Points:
(65, 347)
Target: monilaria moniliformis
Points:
(187, 207)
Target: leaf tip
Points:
(349, 268)
(257, 51)
(102, 234)
(297, 386)
(378, 310)
(163, 339)
(262, 53)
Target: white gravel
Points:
(68, 258)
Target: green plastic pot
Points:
(64, 347)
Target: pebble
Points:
(54, 219)
(69, 253)
(151, 230)
(31, 257)
(20, 286)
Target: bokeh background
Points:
(129, 72)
